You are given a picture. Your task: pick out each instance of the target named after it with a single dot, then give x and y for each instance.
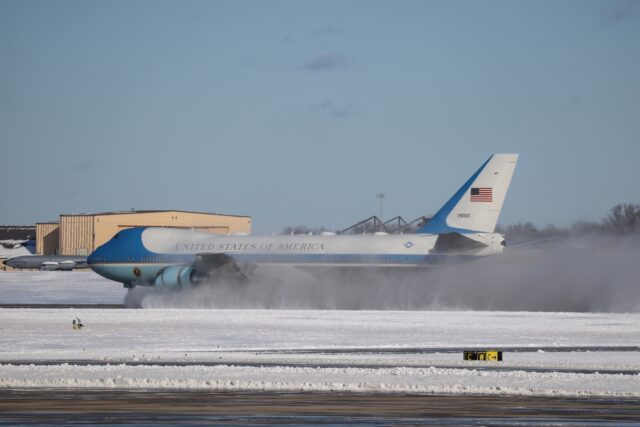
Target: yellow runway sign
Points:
(488, 355)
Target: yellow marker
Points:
(488, 355)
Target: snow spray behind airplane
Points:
(596, 274)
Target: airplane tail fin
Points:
(475, 207)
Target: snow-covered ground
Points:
(58, 287)
(373, 351)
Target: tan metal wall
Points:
(5, 267)
(106, 226)
(76, 234)
(47, 238)
(81, 234)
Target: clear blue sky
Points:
(299, 112)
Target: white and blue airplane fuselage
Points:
(167, 257)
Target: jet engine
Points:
(207, 268)
(178, 276)
(67, 265)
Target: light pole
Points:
(381, 197)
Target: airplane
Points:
(47, 262)
(170, 258)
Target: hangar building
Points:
(80, 234)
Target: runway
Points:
(232, 408)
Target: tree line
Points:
(622, 220)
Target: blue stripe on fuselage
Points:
(124, 272)
(126, 247)
(117, 258)
(268, 258)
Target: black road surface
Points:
(57, 407)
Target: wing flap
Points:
(219, 266)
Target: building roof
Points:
(151, 211)
(17, 232)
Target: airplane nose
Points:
(98, 255)
(94, 258)
(94, 263)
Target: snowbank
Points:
(399, 379)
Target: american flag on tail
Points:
(481, 194)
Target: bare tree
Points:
(623, 219)
(520, 231)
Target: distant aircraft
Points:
(46, 262)
(462, 229)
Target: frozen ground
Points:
(569, 354)
(58, 287)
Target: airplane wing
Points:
(213, 260)
(220, 266)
